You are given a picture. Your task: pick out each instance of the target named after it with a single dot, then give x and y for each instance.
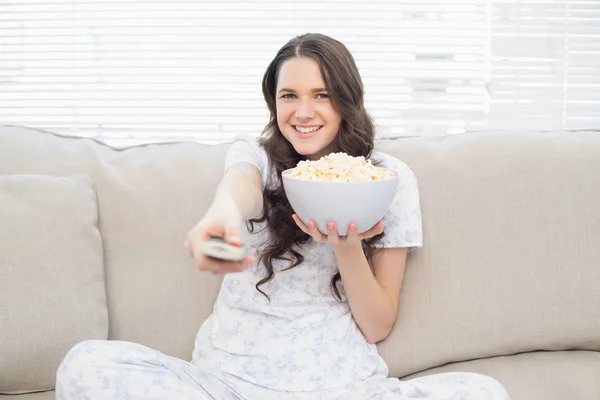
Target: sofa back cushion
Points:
(511, 252)
(52, 288)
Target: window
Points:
(133, 70)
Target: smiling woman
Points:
(305, 115)
(300, 316)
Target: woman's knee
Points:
(496, 390)
(81, 356)
(110, 353)
(467, 385)
(85, 351)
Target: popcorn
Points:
(340, 167)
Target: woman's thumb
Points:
(233, 235)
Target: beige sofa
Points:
(507, 283)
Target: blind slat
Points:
(128, 70)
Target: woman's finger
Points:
(374, 231)
(223, 267)
(352, 235)
(188, 247)
(212, 265)
(300, 224)
(315, 233)
(332, 235)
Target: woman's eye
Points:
(288, 96)
(322, 96)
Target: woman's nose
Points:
(305, 110)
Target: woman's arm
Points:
(372, 295)
(373, 299)
(238, 198)
(241, 188)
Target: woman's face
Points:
(305, 115)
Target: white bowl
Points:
(364, 203)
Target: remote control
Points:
(218, 248)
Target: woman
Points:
(300, 316)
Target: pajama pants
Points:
(99, 370)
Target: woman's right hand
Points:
(219, 221)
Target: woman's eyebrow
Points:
(293, 91)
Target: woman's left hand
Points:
(352, 239)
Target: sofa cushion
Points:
(49, 395)
(511, 248)
(53, 291)
(540, 375)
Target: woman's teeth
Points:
(307, 130)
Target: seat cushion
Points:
(53, 293)
(49, 395)
(556, 375)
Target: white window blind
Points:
(132, 70)
(545, 64)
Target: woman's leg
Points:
(98, 369)
(447, 386)
(455, 386)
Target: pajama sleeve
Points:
(402, 222)
(245, 148)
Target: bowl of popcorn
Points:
(342, 189)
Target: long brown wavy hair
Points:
(355, 137)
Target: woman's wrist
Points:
(348, 250)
